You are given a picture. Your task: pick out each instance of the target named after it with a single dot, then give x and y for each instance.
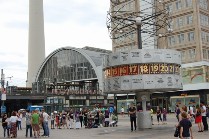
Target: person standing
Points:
(151, 111)
(19, 121)
(81, 118)
(122, 111)
(13, 122)
(107, 118)
(198, 119)
(35, 124)
(71, 116)
(46, 123)
(52, 120)
(164, 116)
(132, 113)
(185, 127)
(5, 125)
(177, 111)
(64, 120)
(41, 121)
(85, 114)
(204, 118)
(96, 118)
(28, 123)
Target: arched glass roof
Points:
(68, 64)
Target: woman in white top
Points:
(13, 121)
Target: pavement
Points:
(122, 131)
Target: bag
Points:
(9, 126)
(198, 114)
(177, 132)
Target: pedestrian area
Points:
(161, 131)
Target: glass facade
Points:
(70, 71)
(67, 65)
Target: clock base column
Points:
(143, 111)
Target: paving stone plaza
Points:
(123, 131)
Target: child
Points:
(185, 127)
(164, 116)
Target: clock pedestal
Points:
(143, 110)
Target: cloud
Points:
(75, 23)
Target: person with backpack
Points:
(5, 125)
(185, 127)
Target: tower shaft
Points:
(36, 40)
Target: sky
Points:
(76, 23)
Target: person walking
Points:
(28, 123)
(185, 127)
(5, 125)
(132, 113)
(204, 118)
(158, 113)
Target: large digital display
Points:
(135, 69)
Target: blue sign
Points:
(3, 109)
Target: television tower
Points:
(36, 40)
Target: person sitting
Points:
(114, 120)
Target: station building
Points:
(72, 77)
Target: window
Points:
(170, 24)
(188, 3)
(203, 4)
(178, 5)
(183, 55)
(207, 36)
(204, 54)
(180, 22)
(204, 20)
(208, 54)
(181, 38)
(203, 36)
(191, 36)
(171, 40)
(169, 8)
(189, 19)
(192, 53)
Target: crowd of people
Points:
(39, 120)
(186, 116)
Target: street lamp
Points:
(139, 37)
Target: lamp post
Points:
(139, 37)
(2, 90)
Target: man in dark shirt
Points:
(132, 113)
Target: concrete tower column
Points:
(36, 40)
